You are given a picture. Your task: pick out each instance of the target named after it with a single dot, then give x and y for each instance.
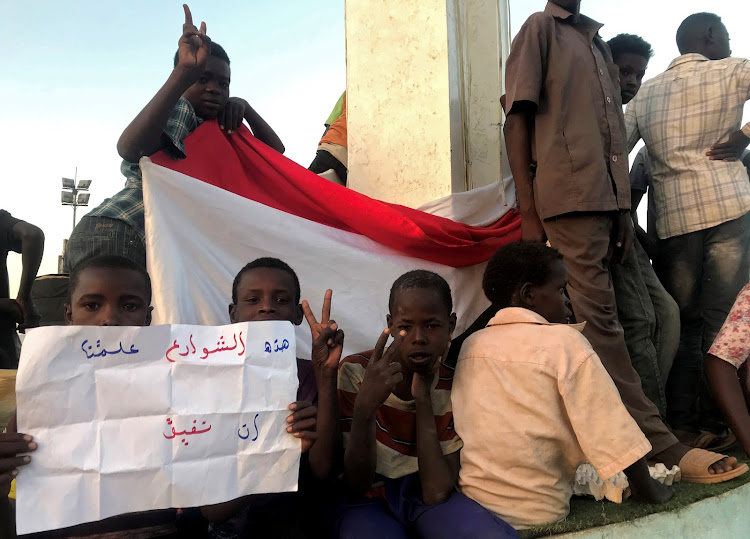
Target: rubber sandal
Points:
(706, 440)
(722, 442)
(694, 466)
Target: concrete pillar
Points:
(424, 80)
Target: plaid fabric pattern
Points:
(127, 205)
(680, 114)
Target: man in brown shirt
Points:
(566, 146)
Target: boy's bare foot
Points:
(643, 487)
(650, 491)
(673, 455)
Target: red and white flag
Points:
(234, 199)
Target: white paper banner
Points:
(131, 419)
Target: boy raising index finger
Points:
(196, 90)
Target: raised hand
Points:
(327, 338)
(302, 423)
(194, 45)
(315, 326)
(382, 375)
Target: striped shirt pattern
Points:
(396, 419)
(127, 205)
(680, 114)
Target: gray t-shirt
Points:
(641, 180)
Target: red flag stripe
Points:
(245, 166)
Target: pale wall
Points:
(424, 79)
(398, 117)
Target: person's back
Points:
(332, 148)
(532, 401)
(682, 173)
(544, 380)
(680, 114)
(702, 197)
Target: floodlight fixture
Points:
(72, 195)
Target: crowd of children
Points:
(478, 435)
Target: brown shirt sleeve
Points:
(526, 67)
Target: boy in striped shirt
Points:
(401, 452)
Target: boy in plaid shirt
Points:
(197, 90)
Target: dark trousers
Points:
(8, 350)
(703, 271)
(650, 319)
(325, 161)
(95, 236)
(585, 241)
(403, 514)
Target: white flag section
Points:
(199, 236)
(132, 419)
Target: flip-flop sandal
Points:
(697, 440)
(706, 440)
(694, 466)
(722, 442)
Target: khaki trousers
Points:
(585, 242)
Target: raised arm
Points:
(328, 343)
(144, 134)
(32, 249)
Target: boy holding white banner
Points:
(268, 289)
(114, 291)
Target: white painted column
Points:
(424, 80)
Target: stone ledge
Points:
(719, 517)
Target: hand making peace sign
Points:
(383, 373)
(327, 338)
(194, 45)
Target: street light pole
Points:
(75, 192)
(72, 195)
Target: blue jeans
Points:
(650, 319)
(703, 271)
(404, 515)
(95, 236)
